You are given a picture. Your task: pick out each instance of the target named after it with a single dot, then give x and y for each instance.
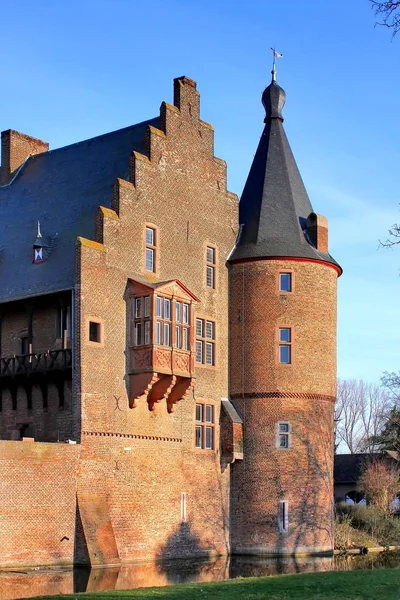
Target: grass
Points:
(383, 584)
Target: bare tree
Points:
(394, 237)
(380, 482)
(389, 13)
(360, 414)
(391, 381)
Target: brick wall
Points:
(15, 149)
(266, 392)
(38, 491)
(136, 462)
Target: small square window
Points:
(94, 332)
(285, 335)
(285, 282)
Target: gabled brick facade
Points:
(159, 361)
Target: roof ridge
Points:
(96, 137)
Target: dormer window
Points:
(39, 246)
(37, 255)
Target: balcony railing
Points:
(29, 364)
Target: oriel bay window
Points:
(161, 342)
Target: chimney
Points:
(317, 228)
(15, 149)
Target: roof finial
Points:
(39, 235)
(275, 55)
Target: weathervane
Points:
(275, 55)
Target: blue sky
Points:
(73, 70)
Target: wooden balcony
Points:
(31, 364)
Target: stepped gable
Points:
(62, 189)
(274, 205)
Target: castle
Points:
(168, 355)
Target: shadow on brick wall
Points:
(180, 544)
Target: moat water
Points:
(21, 583)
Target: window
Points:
(205, 342)
(183, 507)
(205, 422)
(285, 345)
(163, 323)
(94, 332)
(37, 255)
(142, 321)
(283, 516)
(210, 267)
(151, 242)
(182, 338)
(285, 282)
(283, 435)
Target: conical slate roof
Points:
(274, 205)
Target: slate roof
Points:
(62, 189)
(274, 204)
(348, 467)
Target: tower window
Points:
(205, 342)
(151, 243)
(283, 440)
(210, 267)
(205, 424)
(285, 345)
(285, 282)
(283, 516)
(94, 332)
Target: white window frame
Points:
(287, 433)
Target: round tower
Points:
(283, 356)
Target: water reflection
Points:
(26, 584)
